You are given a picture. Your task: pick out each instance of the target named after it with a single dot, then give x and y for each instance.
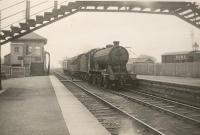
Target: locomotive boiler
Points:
(104, 67)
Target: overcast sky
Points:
(145, 33)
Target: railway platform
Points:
(43, 106)
(170, 79)
(185, 90)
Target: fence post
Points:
(11, 72)
(24, 71)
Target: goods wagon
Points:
(71, 66)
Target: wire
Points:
(12, 5)
(12, 15)
(47, 8)
(22, 11)
(33, 14)
(39, 4)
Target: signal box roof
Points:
(31, 37)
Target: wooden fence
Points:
(10, 72)
(189, 69)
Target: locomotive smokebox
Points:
(116, 55)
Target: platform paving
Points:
(78, 119)
(171, 79)
(29, 107)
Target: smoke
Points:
(128, 128)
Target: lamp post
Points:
(48, 67)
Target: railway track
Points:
(180, 110)
(150, 116)
(114, 119)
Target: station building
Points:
(28, 52)
(181, 57)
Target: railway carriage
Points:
(104, 67)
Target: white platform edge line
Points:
(70, 125)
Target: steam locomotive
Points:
(104, 67)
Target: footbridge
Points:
(187, 11)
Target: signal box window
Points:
(33, 50)
(36, 51)
(16, 49)
(28, 50)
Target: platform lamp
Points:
(48, 68)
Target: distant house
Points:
(27, 51)
(141, 59)
(180, 57)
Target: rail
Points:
(143, 112)
(156, 106)
(114, 107)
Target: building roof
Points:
(31, 37)
(143, 60)
(179, 53)
(140, 60)
(176, 53)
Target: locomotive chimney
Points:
(116, 43)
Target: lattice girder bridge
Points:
(187, 11)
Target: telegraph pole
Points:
(27, 10)
(55, 4)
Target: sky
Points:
(143, 33)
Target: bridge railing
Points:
(32, 20)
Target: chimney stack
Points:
(116, 43)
